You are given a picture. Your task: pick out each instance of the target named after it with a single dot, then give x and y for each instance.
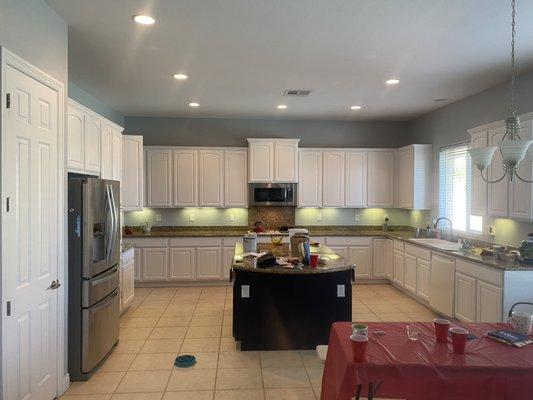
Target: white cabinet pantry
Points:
(273, 160)
(131, 196)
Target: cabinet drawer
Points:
(146, 242)
(418, 251)
(195, 242)
(231, 241)
(398, 245)
(479, 271)
(348, 241)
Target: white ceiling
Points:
(241, 55)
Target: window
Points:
(455, 194)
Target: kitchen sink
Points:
(438, 243)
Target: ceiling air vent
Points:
(297, 92)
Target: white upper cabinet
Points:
(92, 144)
(158, 178)
(355, 190)
(412, 177)
(286, 161)
(273, 160)
(236, 178)
(479, 186)
(116, 155)
(211, 184)
(132, 173)
(106, 152)
(520, 193)
(310, 178)
(333, 179)
(498, 193)
(185, 178)
(380, 179)
(76, 142)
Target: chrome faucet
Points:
(436, 227)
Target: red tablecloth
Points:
(425, 369)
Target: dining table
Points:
(397, 367)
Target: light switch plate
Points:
(318, 217)
(231, 218)
(341, 291)
(245, 291)
(192, 218)
(491, 230)
(158, 218)
(356, 216)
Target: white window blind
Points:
(455, 180)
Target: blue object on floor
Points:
(185, 361)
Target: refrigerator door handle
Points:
(109, 227)
(115, 223)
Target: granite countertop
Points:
(334, 262)
(126, 247)
(400, 233)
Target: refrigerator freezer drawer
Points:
(100, 325)
(99, 287)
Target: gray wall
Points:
(448, 125)
(33, 31)
(81, 96)
(233, 132)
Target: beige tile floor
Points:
(164, 322)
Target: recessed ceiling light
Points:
(356, 107)
(281, 107)
(194, 105)
(392, 81)
(143, 19)
(180, 77)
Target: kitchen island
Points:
(279, 308)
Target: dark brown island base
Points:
(289, 309)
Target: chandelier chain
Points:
(513, 33)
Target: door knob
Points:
(54, 285)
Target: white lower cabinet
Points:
(465, 297)
(138, 264)
(409, 280)
(361, 257)
(227, 260)
(382, 255)
(155, 264)
(127, 278)
(340, 250)
(398, 262)
(489, 302)
(208, 265)
(182, 263)
(423, 275)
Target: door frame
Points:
(8, 58)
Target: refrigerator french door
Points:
(94, 257)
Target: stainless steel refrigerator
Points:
(93, 272)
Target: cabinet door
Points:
(498, 192)
(236, 178)
(261, 162)
(211, 182)
(409, 281)
(388, 259)
(76, 142)
(227, 262)
(355, 190)
(92, 144)
(116, 156)
(398, 265)
(380, 179)
(186, 178)
(182, 263)
(489, 302)
(159, 178)
(423, 279)
(520, 193)
(405, 179)
(131, 195)
(479, 186)
(340, 250)
(155, 264)
(285, 162)
(333, 179)
(380, 257)
(310, 181)
(127, 284)
(208, 263)
(361, 256)
(138, 264)
(465, 297)
(106, 154)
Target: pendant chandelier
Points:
(512, 147)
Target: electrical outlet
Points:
(231, 218)
(416, 219)
(158, 218)
(386, 216)
(491, 230)
(356, 216)
(318, 217)
(192, 218)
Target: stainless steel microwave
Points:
(272, 194)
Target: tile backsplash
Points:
(272, 217)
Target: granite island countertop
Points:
(333, 261)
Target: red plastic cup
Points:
(459, 336)
(359, 343)
(441, 329)
(314, 260)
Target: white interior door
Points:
(30, 250)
